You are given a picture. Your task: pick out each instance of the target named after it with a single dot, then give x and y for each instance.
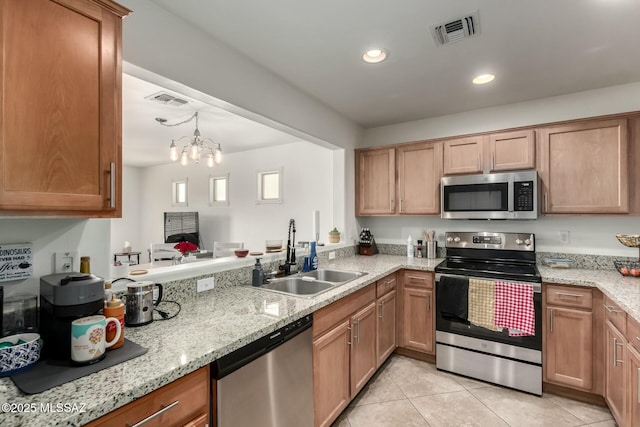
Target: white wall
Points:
(589, 234)
(127, 228)
(307, 186)
(88, 237)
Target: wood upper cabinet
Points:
(375, 181)
(386, 312)
(615, 374)
(464, 155)
(363, 347)
(512, 150)
(419, 173)
(584, 167)
(60, 139)
(191, 393)
(417, 312)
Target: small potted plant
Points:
(334, 236)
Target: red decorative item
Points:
(185, 247)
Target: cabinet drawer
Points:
(569, 296)
(614, 314)
(385, 285)
(329, 316)
(184, 400)
(633, 332)
(422, 279)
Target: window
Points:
(270, 186)
(219, 190)
(180, 190)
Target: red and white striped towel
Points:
(514, 308)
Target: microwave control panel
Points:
(523, 195)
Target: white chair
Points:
(224, 249)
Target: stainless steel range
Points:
(486, 278)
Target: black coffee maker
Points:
(65, 297)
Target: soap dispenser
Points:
(258, 274)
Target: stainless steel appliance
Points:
(268, 382)
(65, 297)
(510, 195)
(139, 303)
(478, 352)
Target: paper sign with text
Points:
(16, 261)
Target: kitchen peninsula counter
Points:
(214, 323)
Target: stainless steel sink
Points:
(297, 286)
(333, 276)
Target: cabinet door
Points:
(417, 316)
(633, 386)
(386, 306)
(419, 173)
(331, 393)
(614, 372)
(363, 347)
(512, 150)
(463, 155)
(60, 142)
(584, 167)
(375, 181)
(569, 347)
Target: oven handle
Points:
(537, 287)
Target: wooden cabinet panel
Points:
(332, 314)
(584, 167)
(512, 150)
(386, 313)
(386, 284)
(331, 367)
(463, 155)
(184, 401)
(633, 332)
(375, 181)
(633, 387)
(569, 347)
(363, 347)
(616, 315)
(423, 279)
(419, 173)
(63, 152)
(417, 319)
(615, 372)
(569, 296)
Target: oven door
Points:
(451, 327)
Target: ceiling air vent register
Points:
(166, 98)
(456, 29)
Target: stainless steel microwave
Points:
(511, 195)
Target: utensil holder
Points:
(432, 249)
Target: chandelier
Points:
(195, 148)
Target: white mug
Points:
(88, 338)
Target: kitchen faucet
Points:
(290, 266)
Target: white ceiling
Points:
(536, 49)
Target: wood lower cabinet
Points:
(633, 386)
(375, 181)
(418, 311)
(615, 349)
(570, 337)
(184, 402)
(387, 325)
(60, 135)
(584, 167)
(363, 347)
(419, 172)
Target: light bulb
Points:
(210, 160)
(184, 158)
(173, 151)
(194, 151)
(197, 159)
(218, 156)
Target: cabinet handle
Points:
(157, 414)
(638, 338)
(479, 164)
(358, 336)
(611, 309)
(400, 206)
(615, 352)
(428, 304)
(112, 185)
(493, 160)
(350, 335)
(417, 278)
(388, 282)
(638, 381)
(382, 311)
(551, 315)
(391, 206)
(567, 294)
(546, 206)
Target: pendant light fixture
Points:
(195, 148)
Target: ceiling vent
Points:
(456, 29)
(166, 99)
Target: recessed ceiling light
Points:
(483, 78)
(373, 56)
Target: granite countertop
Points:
(215, 323)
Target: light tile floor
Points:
(407, 392)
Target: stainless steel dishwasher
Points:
(268, 382)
